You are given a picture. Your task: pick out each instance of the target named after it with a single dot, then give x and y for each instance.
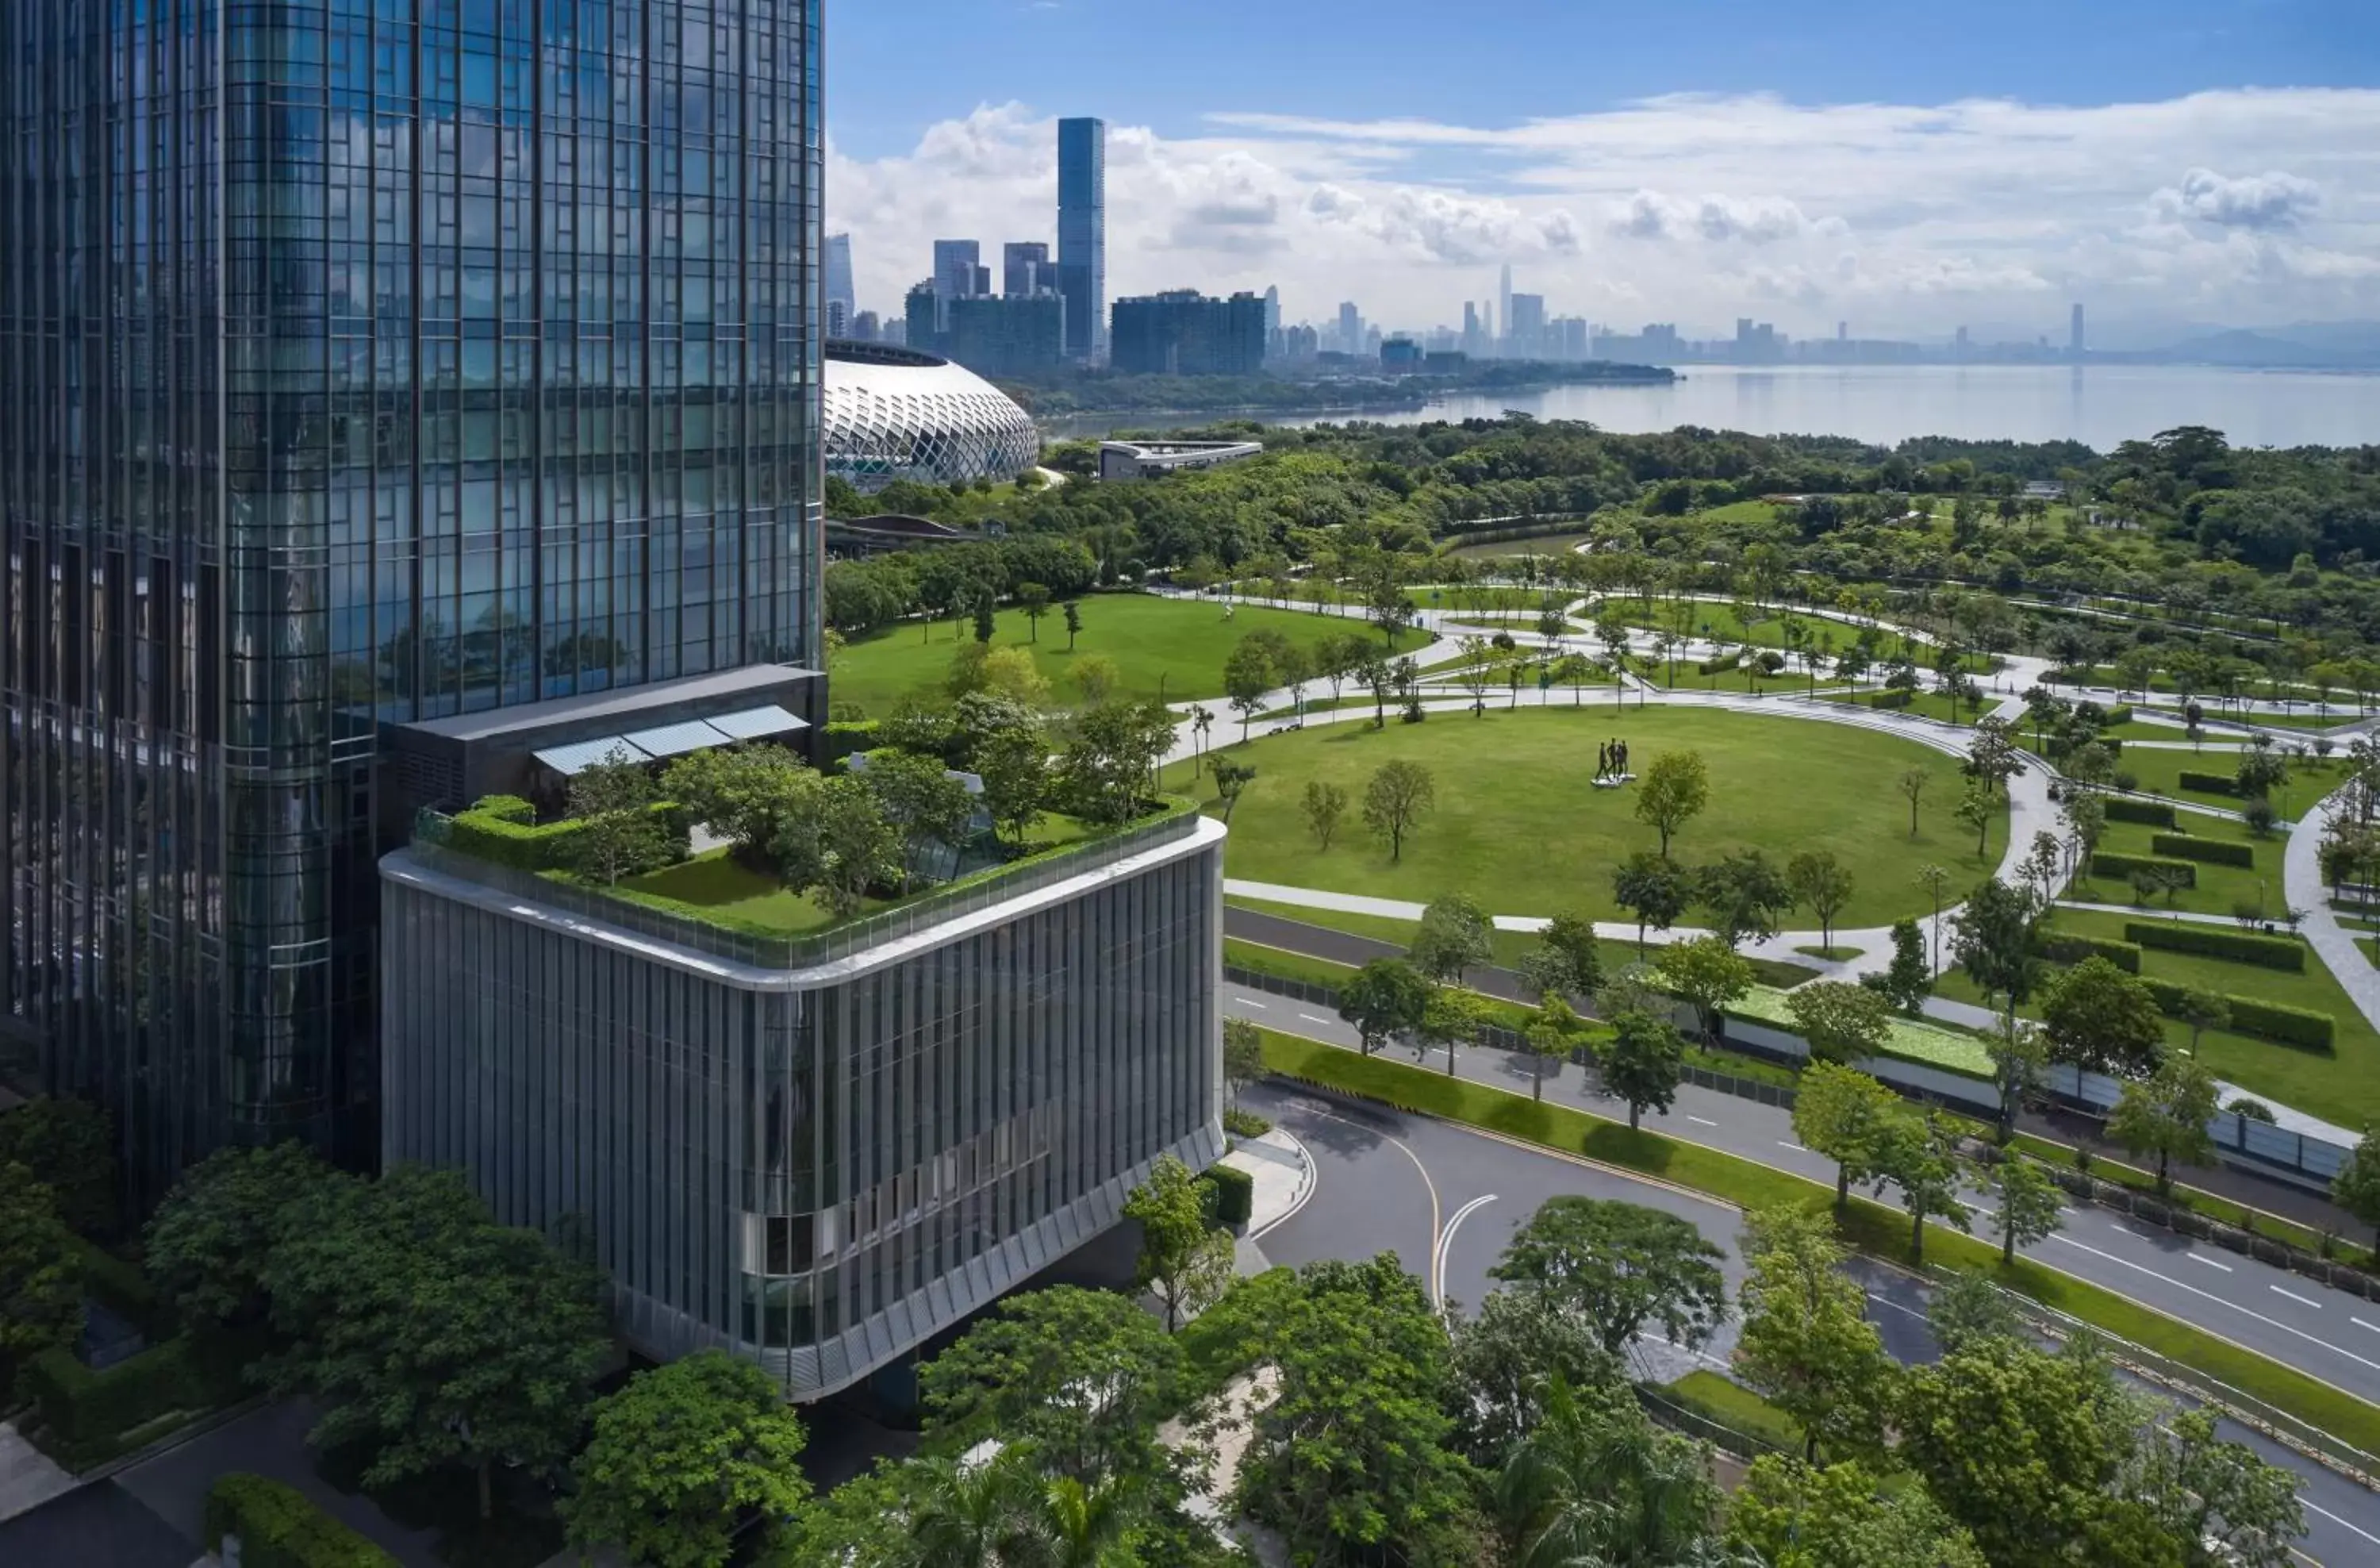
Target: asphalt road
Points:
(1445, 1199)
(2326, 1333)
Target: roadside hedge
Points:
(2061, 947)
(1724, 663)
(279, 1527)
(1889, 698)
(2265, 1020)
(1236, 1194)
(2125, 808)
(2206, 851)
(2117, 713)
(85, 1408)
(2215, 942)
(2209, 783)
(2108, 863)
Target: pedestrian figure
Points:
(1602, 762)
(1621, 760)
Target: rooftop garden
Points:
(751, 840)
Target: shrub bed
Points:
(2209, 783)
(2274, 1021)
(2108, 863)
(1236, 1194)
(848, 735)
(2206, 851)
(538, 846)
(279, 1527)
(2213, 941)
(1889, 698)
(1720, 665)
(2124, 809)
(2060, 947)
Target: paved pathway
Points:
(28, 1477)
(2302, 888)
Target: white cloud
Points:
(2269, 200)
(1904, 217)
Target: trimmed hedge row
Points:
(2119, 713)
(91, 1411)
(2108, 863)
(2209, 783)
(1723, 663)
(2060, 947)
(1901, 698)
(1236, 1194)
(539, 846)
(2206, 851)
(2266, 1020)
(846, 736)
(279, 1527)
(2215, 942)
(2124, 809)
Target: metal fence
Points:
(1666, 1412)
(432, 847)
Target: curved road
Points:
(1390, 1183)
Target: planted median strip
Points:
(1869, 1227)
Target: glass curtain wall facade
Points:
(1083, 236)
(821, 1168)
(361, 361)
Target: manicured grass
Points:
(2304, 720)
(1936, 1045)
(1732, 1404)
(1177, 646)
(715, 888)
(1869, 1227)
(1519, 825)
(1831, 955)
(2220, 890)
(2341, 1085)
(2160, 772)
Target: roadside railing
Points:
(1666, 1412)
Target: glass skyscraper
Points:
(1082, 235)
(361, 362)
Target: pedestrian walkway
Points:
(28, 1477)
(2302, 888)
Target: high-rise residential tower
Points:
(460, 378)
(957, 263)
(1504, 301)
(842, 299)
(1083, 236)
(1025, 269)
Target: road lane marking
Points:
(2194, 1257)
(1974, 1206)
(2295, 1296)
(1701, 1121)
(1252, 1001)
(1312, 1019)
(2361, 1324)
(1446, 1243)
(1912, 1311)
(2337, 1520)
(1409, 1154)
(1794, 1147)
(2210, 1295)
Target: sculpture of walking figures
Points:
(1602, 762)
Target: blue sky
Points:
(897, 66)
(1908, 166)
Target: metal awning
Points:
(753, 723)
(580, 755)
(675, 740)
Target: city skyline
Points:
(2230, 208)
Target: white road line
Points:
(1973, 1207)
(1252, 1001)
(2361, 1324)
(2296, 1297)
(1910, 1311)
(2066, 1213)
(1312, 1019)
(2337, 1520)
(1794, 1147)
(2210, 1295)
(1446, 1243)
(1701, 1121)
(2194, 1257)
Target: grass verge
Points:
(1729, 1403)
(1871, 1227)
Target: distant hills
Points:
(2301, 345)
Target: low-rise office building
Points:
(1155, 459)
(814, 1150)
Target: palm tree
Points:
(1086, 1527)
(979, 1515)
(1599, 1486)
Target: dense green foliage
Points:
(279, 1527)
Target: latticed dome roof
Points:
(893, 414)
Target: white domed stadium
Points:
(897, 414)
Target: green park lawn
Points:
(1171, 647)
(2220, 889)
(1928, 704)
(712, 887)
(1518, 825)
(2159, 772)
(2341, 1085)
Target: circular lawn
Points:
(1519, 825)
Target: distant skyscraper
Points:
(956, 264)
(1842, 332)
(1504, 302)
(1526, 325)
(1082, 235)
(1025, 269)
(1351, 329)
(1475, 341)
(2074, 334)
(839, 290)
(1273, 310)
